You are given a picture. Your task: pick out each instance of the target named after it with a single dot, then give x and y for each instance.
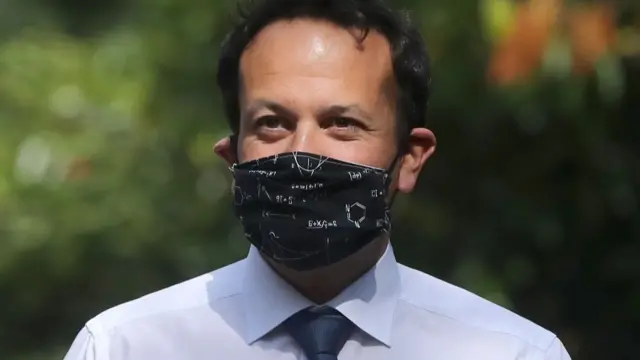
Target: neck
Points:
(323, 284)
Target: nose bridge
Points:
(305, 136)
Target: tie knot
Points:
(321, 333)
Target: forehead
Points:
(317, 53)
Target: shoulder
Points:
(191, 294)
(436, 296)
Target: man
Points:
(326, 102)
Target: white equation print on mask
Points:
(308, 210)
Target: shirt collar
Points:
(268, 300)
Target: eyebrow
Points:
(333, 110)
(270, 105)
(338, 110)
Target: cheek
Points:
(252, 149)
(371, 152)
(373, 149)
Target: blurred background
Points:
(109, 188)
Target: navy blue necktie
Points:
(320, 333)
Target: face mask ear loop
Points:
(390, 169)
(389, 178)
(233, 143)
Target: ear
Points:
(422, 144)
(225, 149)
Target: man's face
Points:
(308, 85)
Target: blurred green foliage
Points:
(109, 189)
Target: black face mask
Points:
(307, 211)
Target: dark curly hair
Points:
(409, 55)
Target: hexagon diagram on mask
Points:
(356, 213)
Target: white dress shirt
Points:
(233, 314)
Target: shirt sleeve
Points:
(83, 347)
(556, 351)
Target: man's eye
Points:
(271, 122)
(344, 122)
